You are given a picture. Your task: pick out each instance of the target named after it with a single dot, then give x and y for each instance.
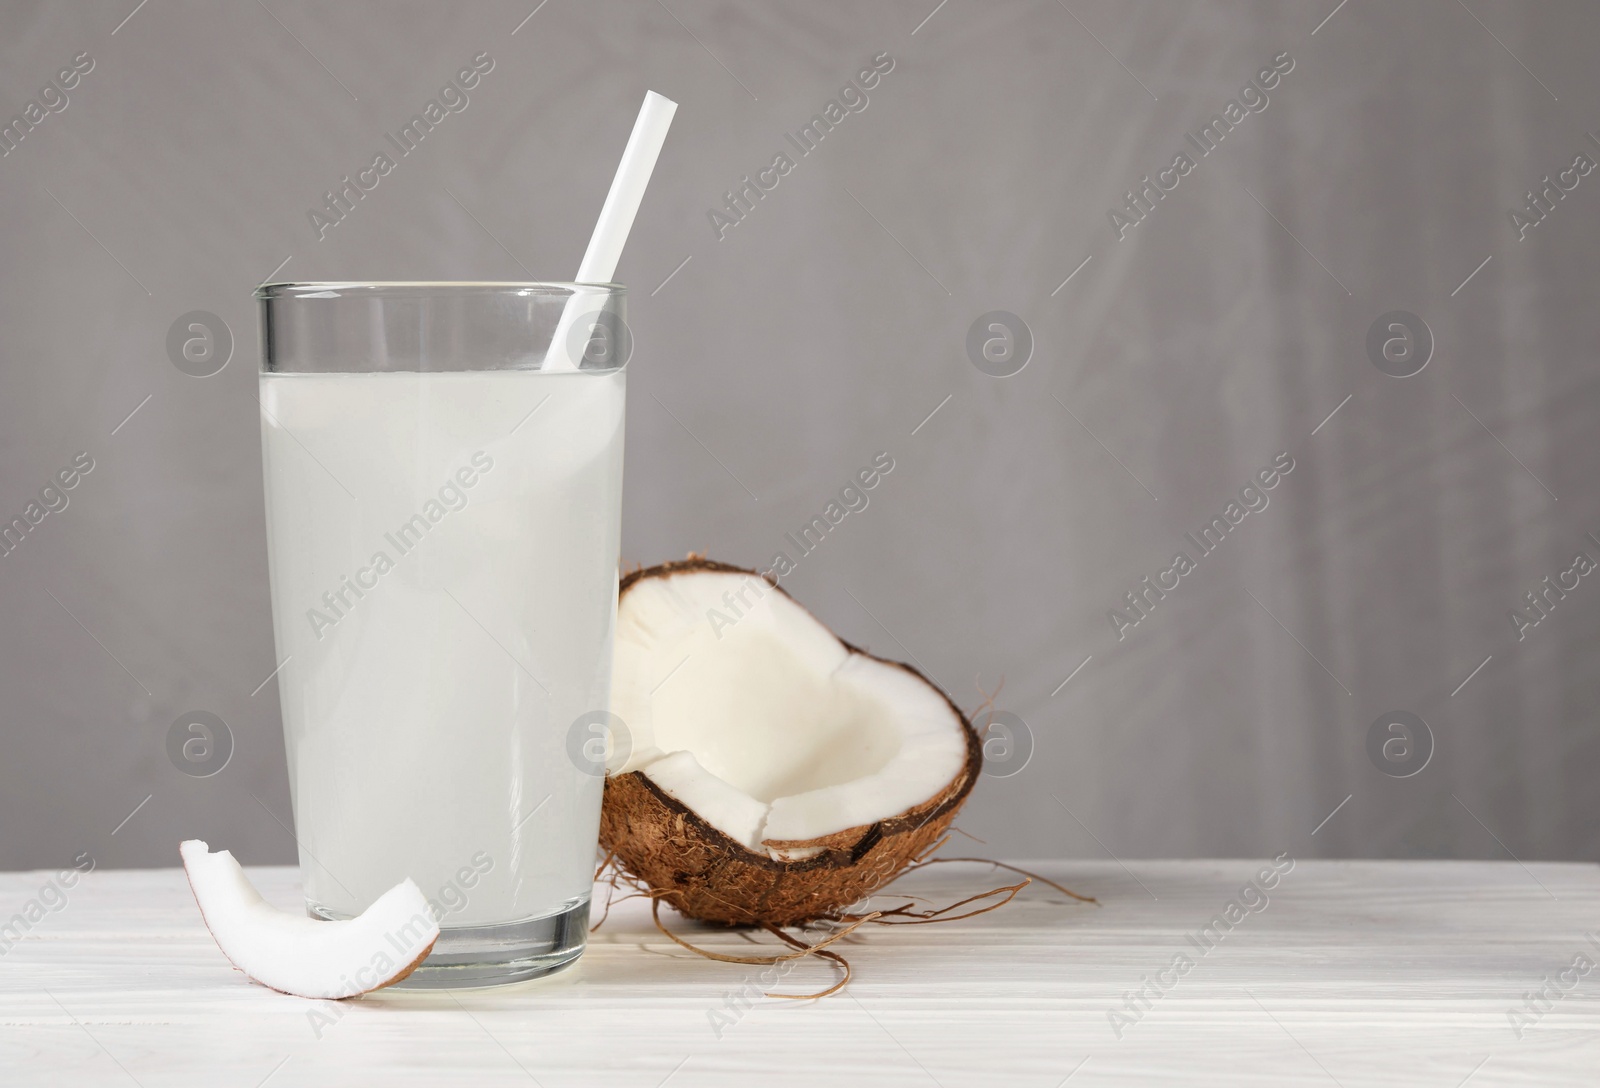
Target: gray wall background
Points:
(826, 327)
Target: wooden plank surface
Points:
(1349, 973)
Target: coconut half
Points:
(768, 771)
(305, 956)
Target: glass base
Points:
(469, 957)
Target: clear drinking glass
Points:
(443, 467)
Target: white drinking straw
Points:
(616, 217)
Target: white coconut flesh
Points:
(747, 710)
(306, 956)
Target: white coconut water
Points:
(443, 553)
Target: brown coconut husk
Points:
(843, 926)
(705, 875)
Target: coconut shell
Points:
(706, 875)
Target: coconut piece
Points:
(773, 773)
(304, 956)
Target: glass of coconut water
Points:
(443, 470)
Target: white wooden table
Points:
(1355, 973)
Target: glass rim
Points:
(301, 289)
